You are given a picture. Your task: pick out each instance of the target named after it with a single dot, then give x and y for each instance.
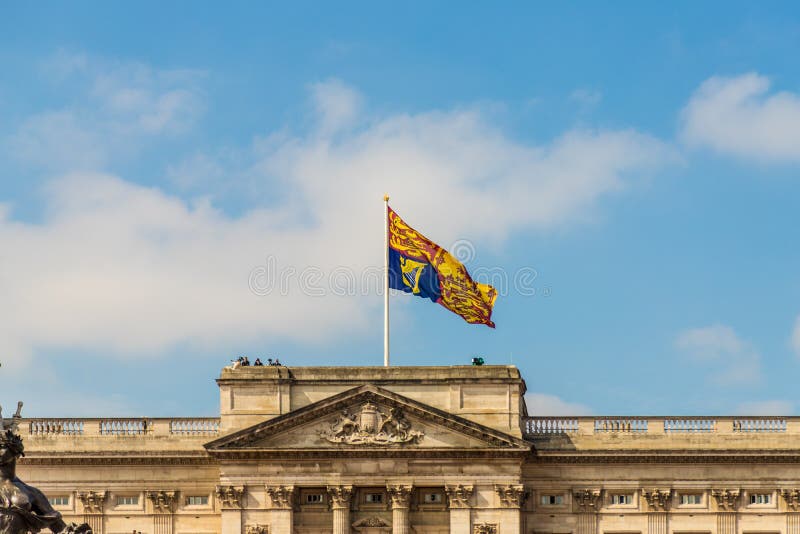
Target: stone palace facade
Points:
(426, 450)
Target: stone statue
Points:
(24, 509)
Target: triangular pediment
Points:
(367, 418)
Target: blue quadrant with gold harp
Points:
(419, 266)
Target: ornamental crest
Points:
(370, 426)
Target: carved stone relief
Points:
(511, 496)
(792, 498)
(230, 496)
(92, 501)
(727, 499)
(658, 500)
(340, 496)
(485, 528)
(163, 501)
(256, 529)
(587, 500)
(399, 496)
(280, 496)
(370, 426)
(458, 496)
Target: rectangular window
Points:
(432, 498)
(373, 498)
(760, 498)
(552, 500)
(691, 498)
(59, 500)
(621, 498)
(128, 500)
(313, 498)
(197, 500)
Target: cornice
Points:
(116, 458)
(370, 453)
(678, 456)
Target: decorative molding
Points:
(511, 496)
(658, 500)
(163, 501)
(230, 496)
(727, 499)
(340, 496)
(399, 496)
(280, 496)
(458, 496)
(370, 426)
(256, 529)
(92, 501)
(371, 522)
(485, 528)
(792, 498)
(587, 500)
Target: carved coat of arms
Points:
(371, 426)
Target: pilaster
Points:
(163, 510)
(340, 505)
(231, 500)
(792, 499)
(280, 506)
(727, 503)
(93, 509)
(510, 499)
(658, 504)
(400, 497)
(587, 504)
(458, 501)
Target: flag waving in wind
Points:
(419, 266)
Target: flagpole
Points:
(386, 281)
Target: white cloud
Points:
(116, 108)
(131, 270)
(586, 97)
(544, 404)
(768, 407)
(796, 337)
(739, 116)
(735, 361)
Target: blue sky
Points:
(633, 168)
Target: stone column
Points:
(458, 497)
(231, 500)
(340, 505)
(511, 498)
(400, 497)
(727, 503)
(93, 504)
(792, 499)
(658, 504)
(280, 503)
(163, 509)
(587, 504)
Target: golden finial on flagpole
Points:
(386, 197)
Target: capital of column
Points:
(92, 501)
(792, 498)
(280, 496)
(511, 496)
(587, 500)
(458, 495)
(163, 501)
(399, 495)
(230, 496)
(727, 499)
(340, 496)
(658, 500)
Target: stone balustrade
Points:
(540, 426)
(123, 426)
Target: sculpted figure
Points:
(23, 508)
(345, 425)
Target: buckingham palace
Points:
(425, 450)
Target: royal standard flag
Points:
(419, 266)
